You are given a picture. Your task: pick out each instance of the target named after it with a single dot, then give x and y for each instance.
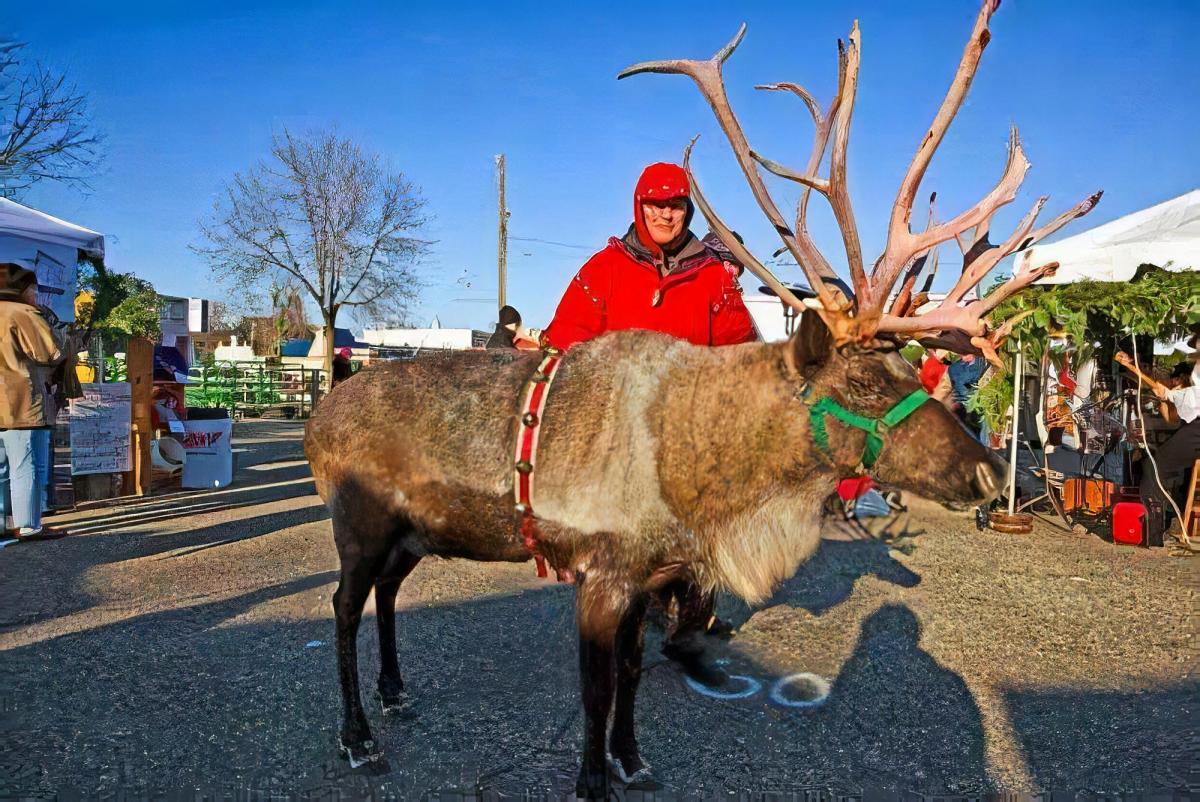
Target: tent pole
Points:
(1016, 429)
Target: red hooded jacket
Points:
(621, 287)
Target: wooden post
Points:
(502, 243)
(139, 367)
(1018, 378)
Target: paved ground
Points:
(185, 642)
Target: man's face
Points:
(664, 219)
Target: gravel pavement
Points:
(185, 641)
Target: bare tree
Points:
(324, 215)
(46, 128)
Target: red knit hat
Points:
(659, 182)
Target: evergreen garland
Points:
(1155, 303)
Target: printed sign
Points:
(197, 441)
(100, 429)
(56, 285)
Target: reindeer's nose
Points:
(989, 478)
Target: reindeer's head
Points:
(863, 405)
(853, 359)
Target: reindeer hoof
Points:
(640, 780)
(359, 754)
(394, 704)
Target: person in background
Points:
(1175, 457)
(935, 379)
(506, 329)
(42, 378)
(1180, 377)
(342, 369)
(965, 373)
(26, 343)
(660, 277)
(714, 243)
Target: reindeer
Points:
(657, 459)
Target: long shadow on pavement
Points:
(1108, 737)
(200, 695)
(828, 578)
(23, 596)
(211, 696)
(894, 720)
(263, 485)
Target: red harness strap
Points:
(527, 440)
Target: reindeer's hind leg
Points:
(623, 741)
(363, 550)
(391, 686)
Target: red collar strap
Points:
(527, 439)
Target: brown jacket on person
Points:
(26, 342)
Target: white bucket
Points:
(167, 456)
(209, 460)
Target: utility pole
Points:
(502, 245)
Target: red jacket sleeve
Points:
(731, 322)
(582, 312)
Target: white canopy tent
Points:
(49, 246)
(1166, 235)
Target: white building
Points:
(434, 338)
(767, 313)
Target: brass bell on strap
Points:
(524, 466)
(530, 419)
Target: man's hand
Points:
(944, 392)
(527, 339)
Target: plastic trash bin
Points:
(206, 440)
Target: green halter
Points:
(876, 428)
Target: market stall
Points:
(1084, 425)
(51, 248)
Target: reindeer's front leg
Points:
(600, 604)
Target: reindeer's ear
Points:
(811, 344)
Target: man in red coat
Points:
(660, 277)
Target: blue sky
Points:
(1106, 95)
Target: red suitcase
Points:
(1128, 522)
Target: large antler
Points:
(980, 257)
(707, 75)
(906, 253)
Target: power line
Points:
(552, 242)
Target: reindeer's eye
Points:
(898, 367)
(870, 387)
